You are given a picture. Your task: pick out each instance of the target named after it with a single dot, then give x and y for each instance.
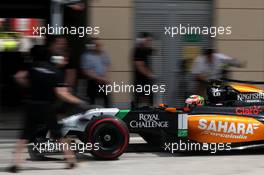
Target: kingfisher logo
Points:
(253, 110)
(251, 97)
(227, 129)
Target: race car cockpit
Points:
(234, 93)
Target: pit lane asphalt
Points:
(139, 162)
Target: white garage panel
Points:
(152, 16)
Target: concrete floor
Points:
(141, 163)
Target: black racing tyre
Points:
(109, 134)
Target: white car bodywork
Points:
(78, 122)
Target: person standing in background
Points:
(143, 74)
(211, 65)
(95, 64)
(74, 15)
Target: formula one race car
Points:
(232, 114)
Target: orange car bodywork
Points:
(224, 129)
(246, 88)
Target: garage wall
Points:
(247, 40)
(115, 19)
(167, 63)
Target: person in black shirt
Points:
(46, 82)
(143, 73)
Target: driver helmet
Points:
(196, 100)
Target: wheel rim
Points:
(108, 136)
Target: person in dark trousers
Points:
(95, 65)
(143, 74)
(46, 81)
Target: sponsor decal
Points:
(251, 97)
(183, 125)
(148, 121)
(216, 92)
(253, 110)
(182, 133)
(226, 129)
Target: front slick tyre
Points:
(109, 134)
